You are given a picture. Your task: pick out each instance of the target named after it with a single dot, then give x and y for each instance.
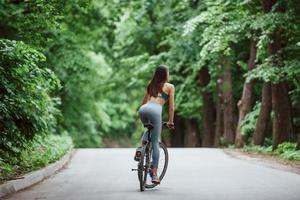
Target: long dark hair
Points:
(158, 80)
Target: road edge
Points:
(265, 161)
(34, 177)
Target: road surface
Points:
(208, 174)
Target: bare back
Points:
(169, 91)
(161, 101)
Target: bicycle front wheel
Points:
(162, 165)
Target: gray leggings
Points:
(151, 112)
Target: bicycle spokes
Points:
(145, 166)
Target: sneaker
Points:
(155, 179)
(138, 154)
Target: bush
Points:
(249, 122)
(285, 150)
(41, 151)
(258, 149)
(26, 106)
(286, 146)
(288, 151)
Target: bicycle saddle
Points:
(149, 126)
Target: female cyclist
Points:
(158, 92)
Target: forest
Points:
(80, 69)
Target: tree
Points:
(208, 109)
(104, 54)
(282, 127)
(219, 114)
(245, 103)
(27, 106)
(264, 115)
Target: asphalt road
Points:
(208, 174)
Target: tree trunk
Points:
(208, 109)
(219, 114)
(195, 128)
(281, 105)
(264, 115)
(244, 104)
(191, 139)
(266, 101)
(227, 102)
(282, 122)
(177, 135)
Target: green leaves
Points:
(19, 17)
(192, 24)
(26, 107)
(92, 60)
(269, 72)
(249, 122)
(38, 153)
(286, 150)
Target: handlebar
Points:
(166, 125)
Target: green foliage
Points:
(104, 53)
(80, 58)
(30, 21)
(83, 75)
(291, 155)
(249, 122)
(37, 154)
(45, 150)
(286, 150)
(268, 72)
(26, 106)
(286, 146)
(258, 149)
(268, 142)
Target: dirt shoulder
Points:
(271, 161)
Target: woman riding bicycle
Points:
(158, 92)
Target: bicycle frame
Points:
(144, 165)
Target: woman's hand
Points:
(171, 125)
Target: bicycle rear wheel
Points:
(162, 165)
(141, 170)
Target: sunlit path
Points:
(95, 174)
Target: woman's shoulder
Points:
(169, 85)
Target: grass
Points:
(39, 153)
(285, 151)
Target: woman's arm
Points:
(171, 105)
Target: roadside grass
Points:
(284, 151)
(40, 152)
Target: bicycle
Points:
(144, 165)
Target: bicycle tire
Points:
(165, 166)
(141, 170)
(146, 165)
